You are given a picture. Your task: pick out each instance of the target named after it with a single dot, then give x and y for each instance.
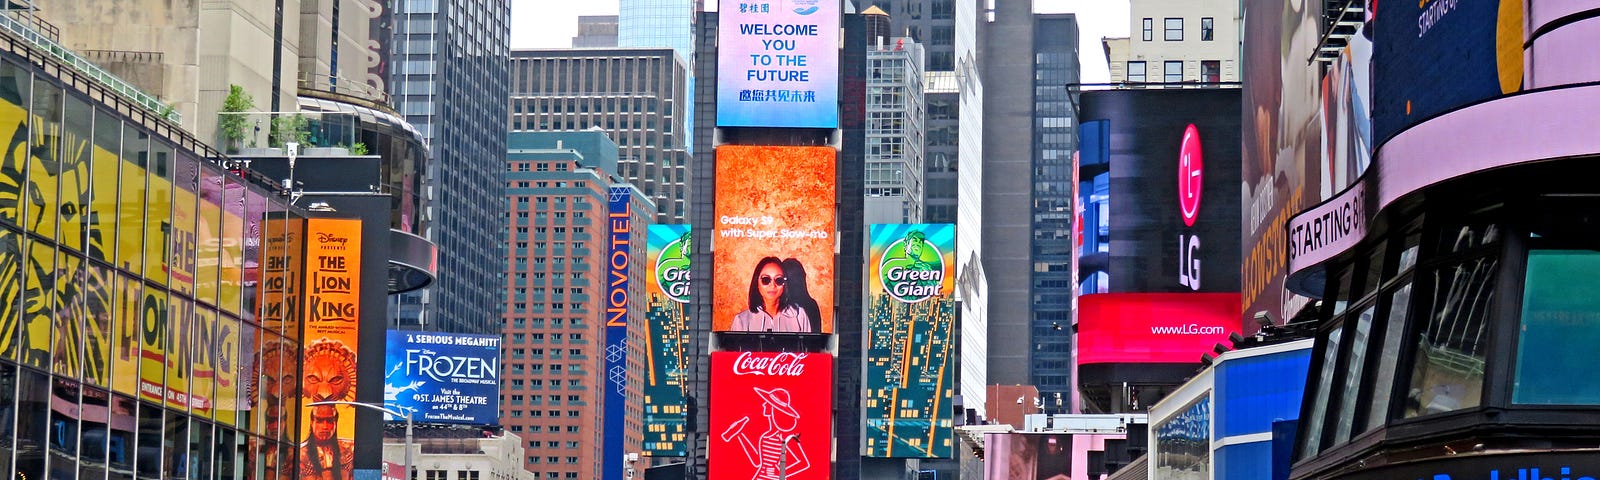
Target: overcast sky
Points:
(552, 24)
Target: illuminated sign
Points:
(912, 339)
(773, 266)
(778, 63)
(1153, 327)
(443, 377)
(771, 411)
(618, 258)
(1157, 135)
(332, 326)
(666, 338)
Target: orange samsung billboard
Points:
(773, 260)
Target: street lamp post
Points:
(407, 416)
(783, 456)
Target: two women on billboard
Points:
(779, 300)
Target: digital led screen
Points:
(1174, 187)
(762, 400)
(1153, 327)
(778, 63)
(666, 337)
(1027, 456)
(911, 340)
(773, 266)
(443, 377)
(332, 320)
(1183, 443)
(1441, 55)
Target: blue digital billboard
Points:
(443, 377)
(778, 64)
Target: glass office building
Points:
(657, 23)
(130, 346)
(1055, 139)
(450, 59)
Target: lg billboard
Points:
(1175, 188)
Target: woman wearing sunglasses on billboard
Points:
(770, 309)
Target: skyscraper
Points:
(1055, 138)
(449, 63)
(657, 23)
(633, 94)
(1007, 187)
(596, 31)
(894, 132)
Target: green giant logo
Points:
(912, 268)
(672, 269)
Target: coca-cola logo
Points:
(778, 365)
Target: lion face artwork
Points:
(330, 372)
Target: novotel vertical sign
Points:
(778, 63)
(619, 221)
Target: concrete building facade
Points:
(453, 453)
(1175, 41)
(635, 95)
(596, 31)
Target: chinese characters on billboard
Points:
(911, 340)
(666, 315)
(778, 63)
(443, 378)
(773, 266)
(770, 412)
(332, 314)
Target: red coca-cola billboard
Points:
(771, 412)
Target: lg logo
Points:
(1190, 186)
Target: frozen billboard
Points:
(443, 377)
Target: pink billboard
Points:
(1153, 327)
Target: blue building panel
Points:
(1253, 392)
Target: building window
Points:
(1174, 27)
(1136, 72)
(1172, 71)
(1149, 29)
(1210, 71)
(1552, 344)
(1207, 26)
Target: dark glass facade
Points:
(450, 60)
(130, 340)
(1055, 139)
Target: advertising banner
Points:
(911, 340)
(778, 63)
(771, 415)
(773, 266)
(1183, 443)
(666, 320)
(1153, 327)
(1027, 456)
(1174, 182)
(619, 219)
(1441, 55)
(443, 377)
(125, 320)
(332, 315)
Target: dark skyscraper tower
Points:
(449, 80)
(1055, 138)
